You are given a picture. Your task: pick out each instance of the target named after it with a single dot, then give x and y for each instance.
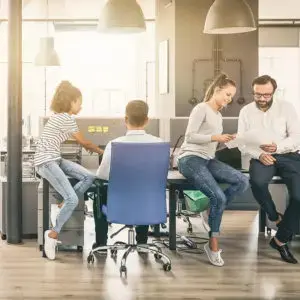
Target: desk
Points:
(176, 181)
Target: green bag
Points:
(195, 201)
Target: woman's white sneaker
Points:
(214, 257)
(50, 245)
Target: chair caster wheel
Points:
(114, 253)
(3, 236)
(157, 256)
(123, 269)
(79, 249)
(90, 259)
(167, 267)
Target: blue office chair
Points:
(136, 195)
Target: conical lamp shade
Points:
(47, 55)
(229, 16)
(122, 16)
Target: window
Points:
(284, 65)
(109, 69)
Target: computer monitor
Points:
(102, 130)
(177, 128)
(231, 157)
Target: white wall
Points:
(279, 9)
(284, 65)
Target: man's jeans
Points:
(287, 166)
(206, 175)
(56, 173)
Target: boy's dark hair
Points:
(64, 95)
(264, 79)
(137, 112)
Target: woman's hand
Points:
(223, 138)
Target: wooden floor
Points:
(252, 271)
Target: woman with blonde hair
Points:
(50, 165)
(197, 161)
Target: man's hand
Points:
(267, 159)
(270, 148)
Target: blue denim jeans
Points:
(205, 175)
(56, 173)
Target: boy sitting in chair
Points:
(136, 119)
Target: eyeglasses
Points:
(258, 96)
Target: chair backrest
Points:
(137, 183)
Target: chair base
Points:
(130, 247)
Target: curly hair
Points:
(64, 95)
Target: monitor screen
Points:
(100, 131)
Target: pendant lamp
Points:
(228, 17)
(47, 55)
(121, 16)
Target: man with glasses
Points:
(278, 121)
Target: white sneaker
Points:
(204, 217)
(214, 257)
(50, 245)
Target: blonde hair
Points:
(220, 81)
(137, 112)
(64, 95)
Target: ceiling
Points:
(68, 9)
(90, 9)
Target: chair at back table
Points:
(137, 194)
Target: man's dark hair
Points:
(264, 79)
(137, 112)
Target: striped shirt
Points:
(58, 129)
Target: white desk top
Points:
(175, 175)
(172, 175)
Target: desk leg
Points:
(45, 210)
(262, 220)
(172, 218)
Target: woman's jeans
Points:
(56, 173)
(205, 175)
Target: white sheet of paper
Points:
(252, 139)
(239, 141)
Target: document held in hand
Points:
(252, 139)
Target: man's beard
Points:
(264, 104)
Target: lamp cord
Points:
(45, 67)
